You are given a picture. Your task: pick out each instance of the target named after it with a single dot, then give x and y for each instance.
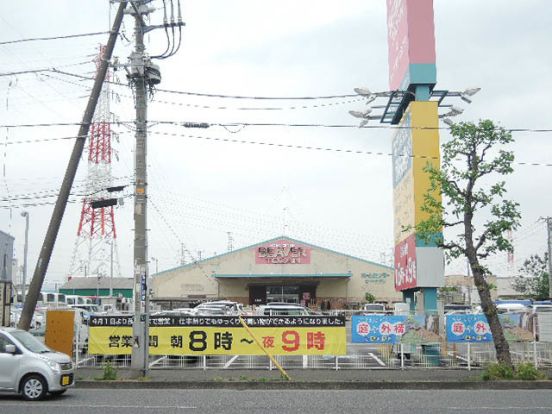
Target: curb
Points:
(320, 385)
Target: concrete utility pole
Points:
(549, 228)
(61, 202)
(141, 72)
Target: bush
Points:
(528, 372)
(109, 372)
(498, 372)
(525, 371)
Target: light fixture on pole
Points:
(468, 92)
(448, 121)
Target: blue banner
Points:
(468, 328)
(378, 329)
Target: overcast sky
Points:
(200, 188)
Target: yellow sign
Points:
(425, 146)
(59, 330)
(285, 335)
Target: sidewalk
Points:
(302, 379)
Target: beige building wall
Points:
(198, 280)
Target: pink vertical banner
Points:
(405, 264)
(410, 37)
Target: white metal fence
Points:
(365, 356)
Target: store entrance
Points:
(287, 294)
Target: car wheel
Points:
(56, 393)
(34, 388)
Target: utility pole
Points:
(140, 326)
(61, 202)
(549, 228)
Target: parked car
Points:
(371, 308)
(282, 309)
(30, 368)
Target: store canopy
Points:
(282, 275)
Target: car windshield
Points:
(30, 342)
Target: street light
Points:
(156, 264)
(26, 249)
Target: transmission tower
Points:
(95, 252)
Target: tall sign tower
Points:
(95, 251)
(419, 264)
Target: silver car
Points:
(30, 368)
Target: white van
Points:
(511, 307)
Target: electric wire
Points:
(71, 36)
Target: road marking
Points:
(379, 361)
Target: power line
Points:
(34, 39)
(263, 124)
(314, 148)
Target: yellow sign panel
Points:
(425, 146)
(59, 330)
(223, 336)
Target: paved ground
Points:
(169, 375)
(169, 401)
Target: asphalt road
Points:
(139, 401)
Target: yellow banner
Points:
(222, 340)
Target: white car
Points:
(30, 368)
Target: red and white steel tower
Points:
(95, 251)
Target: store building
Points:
(278, 270)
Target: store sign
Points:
(374, 277)
(411, 42)
(282, 252)
(224, 335)
(405, 264)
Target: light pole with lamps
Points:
(25, 251)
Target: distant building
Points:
(465, 292)
(506, 289)
(94, 286)
(6, 256)
(278, 270)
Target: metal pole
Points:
(549, 227)
(111, 271)
(25, 254)
(61, 202)
(140, 326)
(469, 356)
(535, 356)
(402, 356)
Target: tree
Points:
(469, 160)
(369, 297)
(533, 278)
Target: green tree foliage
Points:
(533, 278)
(474, 205)
(369, 297)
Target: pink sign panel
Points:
(410, 37)
(282, 252)
(405, 264)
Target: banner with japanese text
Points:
(475, 327)
(377, 329)
(468, 328)
(393, 329)
(224, 335)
